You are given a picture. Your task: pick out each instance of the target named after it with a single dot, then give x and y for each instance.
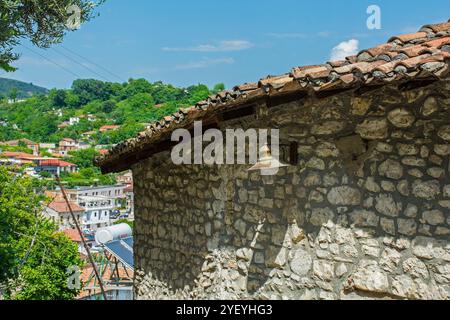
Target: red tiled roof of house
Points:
(424, 55)
(73, 235)
(106, 277)
(103, 151)
(68, 139)
(55, 163)
(16, 142)
(62, 207)
(18, 155)
(109, 127)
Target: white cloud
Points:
(204, 63)
(222, 46)
(345, 49)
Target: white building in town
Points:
(96, 205)
(98, 211)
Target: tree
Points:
(83, 158)
(218, 88)
(58, 98)
(89, 90)
(34, 256)
(13, 94)
(43, 22)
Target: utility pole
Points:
(86, 247)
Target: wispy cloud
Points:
(344, 49)
(221, 46)
(204, 63)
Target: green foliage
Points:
(83, 158)
(34, 257)
(131, 105)
(23, 90)
(134, 109)
(58, 98)
(13, 94)
(45, 174)
(89, 90)
(43, 22)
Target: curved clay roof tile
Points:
(409, 37)
(438, 27)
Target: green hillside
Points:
(24, 90)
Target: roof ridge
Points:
(425, 53)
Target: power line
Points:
(82, 65)
(84, 58)
(95, 64)
(53, 62)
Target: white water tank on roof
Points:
(112, 233)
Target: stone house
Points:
(361, 212)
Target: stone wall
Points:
(365, 213)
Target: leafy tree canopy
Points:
(43, 22)
(34, 257)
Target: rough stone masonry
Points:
(364, 213)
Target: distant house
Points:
(88, 117)
(83, 146)
(88, 134)
(63, 125)
(59, 212)
(18, 155)
(67, 145)
(30, 144)
(19, 159)
(48, 147)
(55, 166)
(109, 128)
(74, 120)
(16, 159)
(126, 178)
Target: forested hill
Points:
(20, 89)
(82, 112)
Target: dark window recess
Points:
(293, 153)
(238, 113)
(276, 101)
(415, 84)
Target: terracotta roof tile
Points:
(73, 235)
(422, 54)
(337, 63)
(62, 207)
(438, 43)
(302, 72)
(374, 52)
(438, 27)
(409, 37)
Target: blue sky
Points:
(200, 41)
